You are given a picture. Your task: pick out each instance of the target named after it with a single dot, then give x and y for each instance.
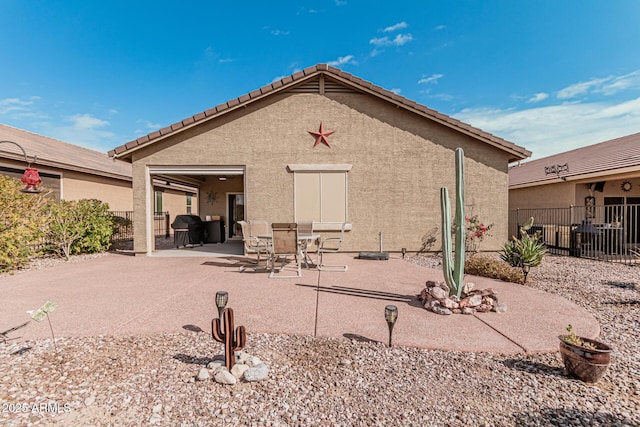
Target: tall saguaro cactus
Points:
(453, 267)
(233, 339)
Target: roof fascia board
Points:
(582, 177)
(68, 167)
(241, 103)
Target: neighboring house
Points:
(599, 183)
(608, 171)
(327, 146)
(70, 172)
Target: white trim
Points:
(344, 167)
(150, 209)
(197, 170)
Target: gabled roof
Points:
(61, 155)
(328, 78)
(605, 158)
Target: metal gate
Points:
(609, 232)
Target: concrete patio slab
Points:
(126, 295)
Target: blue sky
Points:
(548, 75)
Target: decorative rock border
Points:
(435, 297)
(247, 367)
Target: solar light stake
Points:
(525, 270)
(390, 315)
(221, 302)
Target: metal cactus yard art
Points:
(233, 339)
(453, 267)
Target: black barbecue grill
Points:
(187, 230)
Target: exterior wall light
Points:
(31, 177)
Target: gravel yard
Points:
(149, 380)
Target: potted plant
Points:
(584, 358)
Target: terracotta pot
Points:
(585, 364)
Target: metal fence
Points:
(609, 233)
(123, 221)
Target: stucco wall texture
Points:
(400, 160)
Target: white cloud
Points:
(149, 125)
(398, 40)
(279, 33)
(396, 91)
(579, 88)
(398, 26)
(440, 27)
(9, 105)
(620, 83)
(605, 86)
(342, 60)
(432, 79)
(558, 128)
(341, 3)
(537, 97)
(86, 121)
(402, 39)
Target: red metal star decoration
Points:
(322, 136)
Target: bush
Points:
(528, 249)
(21, 222)
(83, 226)
(485, 266)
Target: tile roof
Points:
(58, 154)
(516, 152)
(605, 158)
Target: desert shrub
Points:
(83, 226)
(528, 249)
(21, 222)
(486, 266)
(475, 232)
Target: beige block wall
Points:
(77, 186)
(400, 161)
(175, 202)
(559, 195)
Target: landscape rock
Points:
(449, 303)
(500, 307)
(257, 373)
(223, 376)
(438, 293)
(468, 287)
(203, 374)
(435, 299)
(438, 309)
(239, 369)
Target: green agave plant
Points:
(528, 249)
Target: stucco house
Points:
(599, 183)
(71, 172)
(327, 146)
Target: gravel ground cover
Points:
(149, 380)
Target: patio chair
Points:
(331, 245)
(285, 243)
(253, 245)
(305, 228)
